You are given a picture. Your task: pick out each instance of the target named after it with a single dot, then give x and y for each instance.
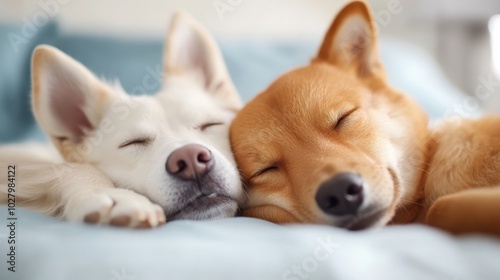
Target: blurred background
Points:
(458, 34)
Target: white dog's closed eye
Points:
(143, 141)
(209, 124)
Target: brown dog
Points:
(333, 143)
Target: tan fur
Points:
(409, 167)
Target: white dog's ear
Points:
(351, 41)
(191, 51)
(68, 100)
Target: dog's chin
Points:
(207, 207)
(365, 220)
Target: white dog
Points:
(131, 160)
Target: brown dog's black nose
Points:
(341, 195)
(189, 162)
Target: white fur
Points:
(94, 175)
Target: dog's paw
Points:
(116, 207)
(470, 211)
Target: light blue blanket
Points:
(242, 248)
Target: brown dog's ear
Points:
(351, 42)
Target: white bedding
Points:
(242, 248)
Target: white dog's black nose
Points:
(341, 195)
(189, 162)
